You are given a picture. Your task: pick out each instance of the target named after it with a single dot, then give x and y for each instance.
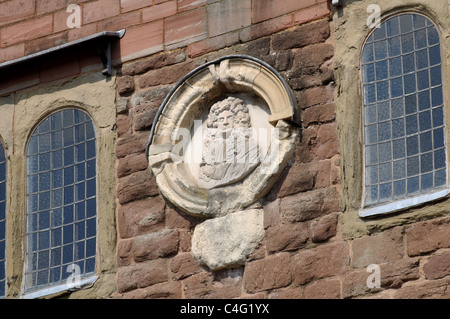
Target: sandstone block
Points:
(226, 242)
(268, 273)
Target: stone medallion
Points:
(219, 142)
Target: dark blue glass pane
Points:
(55, 257)
(380, 50)
(433, 36)
(435, 55)
(426, 142)
(439, 159)
(68, 234)
(90, 188)
(421, 39)
(436, 97)
(68, 175)
(385, 191)
(44, 220)
(68, 195)
(440, 178)
(397, 107)
(392, 27)
(91, 228)
(424, 100)
(367, 55)
(411, 125)
(436, 76)
(407, 43)
(412, 166)
(425, 121)
(44, 162)
(67, 254)
(69, 156)
(422, 59)
(413, 185)
(411, 104)
(394, 45)
(397, 87)
(44, 143)
(406, 23)
(55, 121)
(382, 91)
(67, 118)
(409, 63)
(427, 182)
(426, 163)
(381, 70)
(410, 83)
(438, 136)
(412, 145)
(57, 140)
(438, 117)
(57, 179)
(423, 80)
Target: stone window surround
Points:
(20, 113)
(350, 106)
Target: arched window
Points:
(61, 200)
(403, 118)
(2, 222)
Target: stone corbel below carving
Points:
(238, 99)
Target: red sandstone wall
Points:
(303, 254)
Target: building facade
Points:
(357, 207)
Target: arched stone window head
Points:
(222, 136)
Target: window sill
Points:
(86, 282)
(393, 207)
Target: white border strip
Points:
(59, 288)
(402, 204)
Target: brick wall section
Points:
(303, 254)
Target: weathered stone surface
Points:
(269, 273)
(154, 62)
(136, 186)
(206, 286)
(438, 266)
(155, 245)
(165, 290)
(302, 36)
(142, 275)
(286, 237)
(139, 217)
(324, 289)
(378, 249)
(226, 242)
(321, 262)
(323, 228)
(148, 100)
(434, 289)
(310, 205)
(184, 265)
(428, 236)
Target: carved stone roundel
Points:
(222, 136)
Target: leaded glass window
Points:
(2, 222)
(404, 127)
(61, 200)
